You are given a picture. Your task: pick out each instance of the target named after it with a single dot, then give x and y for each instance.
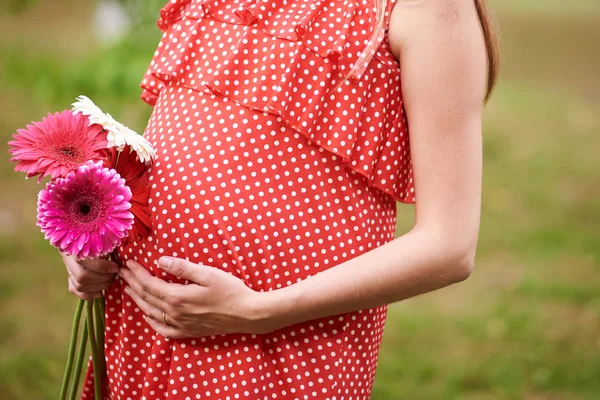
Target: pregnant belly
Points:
(236, 189)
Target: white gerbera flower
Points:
(118, 134)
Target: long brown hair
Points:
(490, 34)
(492, 44)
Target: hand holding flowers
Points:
(95, 201)
(90, 276)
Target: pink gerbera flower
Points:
(86, 214)
(57, 145)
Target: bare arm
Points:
(442, 54)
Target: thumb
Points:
(184, 269)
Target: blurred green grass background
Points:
(526, 325)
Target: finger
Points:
(168, 331)
(148, 287)
(84, 275)
(153, 285)
(89, 287)
(100, 265)
(83, 295)
(148, 309)
(197, 273)
(105, 256)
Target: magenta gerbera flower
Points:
(57, 145)
(86, 214)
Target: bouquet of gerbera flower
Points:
(96, 200)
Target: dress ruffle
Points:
(287, 60)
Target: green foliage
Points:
(111, 73)
(142, 12)
(16, 6)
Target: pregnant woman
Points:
(282, 134)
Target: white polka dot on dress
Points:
(264, 172)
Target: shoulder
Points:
(414, 21)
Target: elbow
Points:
(463, 263)
(456, 256)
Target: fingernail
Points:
(129, 263)
(165, 262)
(127, 289)
(114, 268)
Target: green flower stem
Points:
(71, 354)
(99, 310)
(79, 361)
(102, 309)
(94, 347)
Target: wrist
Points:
(271, 310)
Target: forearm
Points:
(415, 263)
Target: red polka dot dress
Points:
(265, 171)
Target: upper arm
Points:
(443, 65)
